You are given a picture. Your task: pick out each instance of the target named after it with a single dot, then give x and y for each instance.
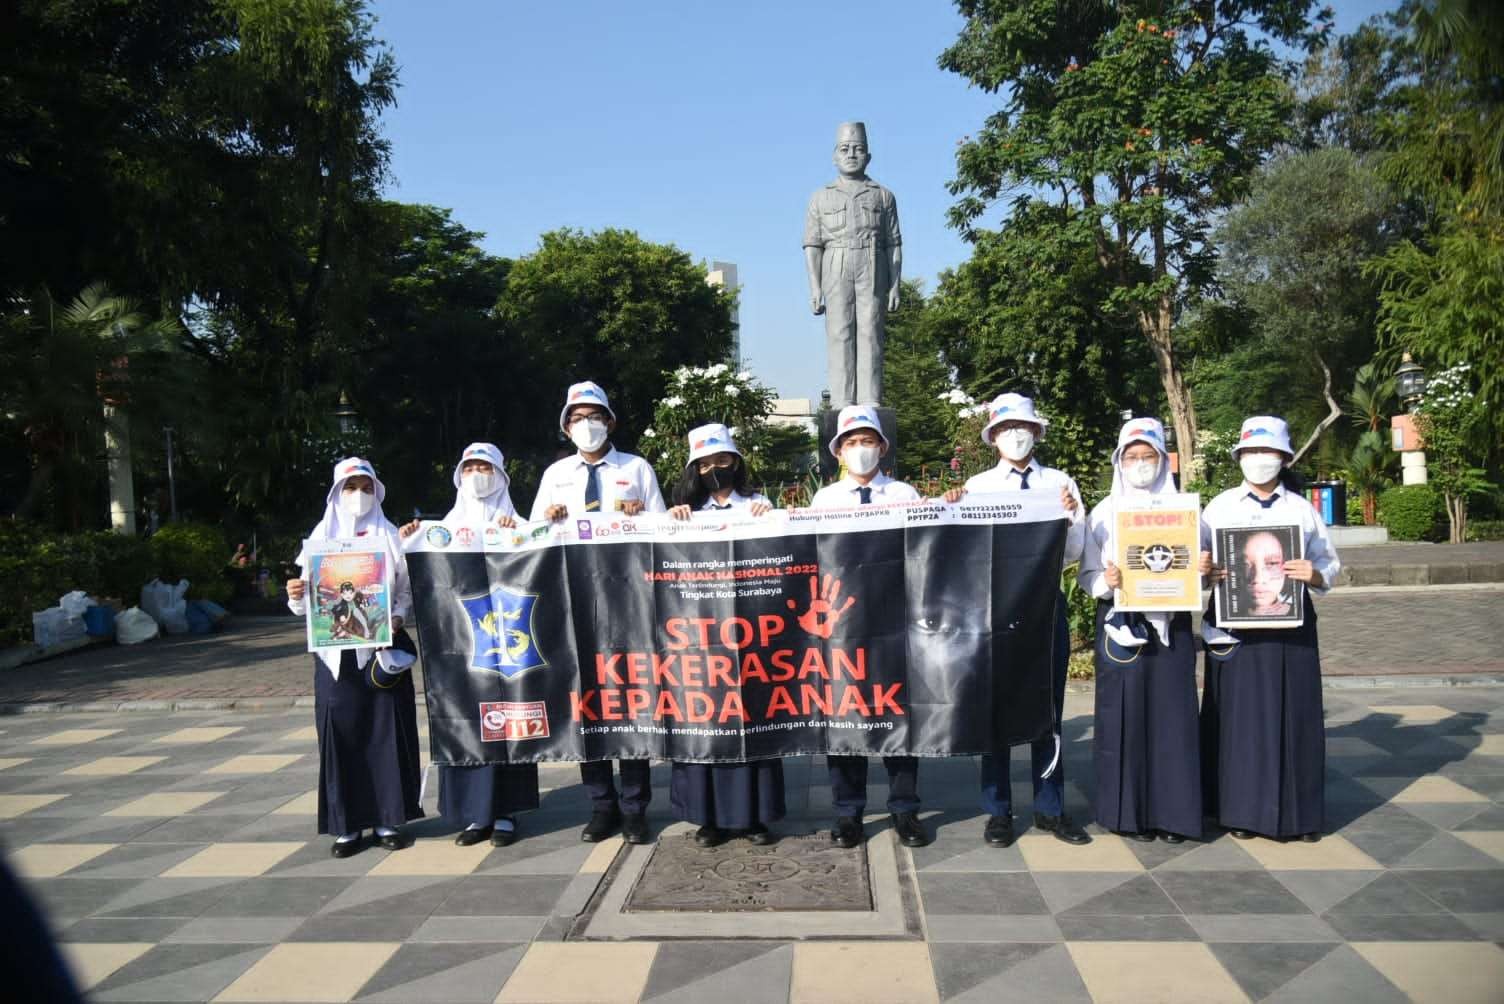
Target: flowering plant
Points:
(1450, 415)
(700, 394)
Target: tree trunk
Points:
(1334, 410)
(1370, 507)
(1457, 518)
(1155, 325)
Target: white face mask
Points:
(1015, 444)
(478, 484)
(1260, 468)
(861, 460)
(356, 503)
(588, 436)
(1141, 473)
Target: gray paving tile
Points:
(1387, 894)
(679, 965)
(1391, 846)
(122, 929)
(278, 897)
(178, 973)
(491, 930)
(164, 897)
(1219, 854)
(417, 895)
(1320, 890)
(78, 897)
(345, 927)
(194, 829)
(1444, 815)
(313, 858)
(1266, 927)
(1460, 891)
(1261, 969)
(1491, 818)
(1401, 927)
(1090, 927)
(1139, 896)
(954, 855)
(137, 860)
(1063, 890)
(980, 892)
(234, 930)
(455, 972)
(960, 968)
(1246, 892)
(982, 928)
(1446, 851)
(1342, 974)
(502, 895)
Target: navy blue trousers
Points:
(1049, 792)
(636, 785)
(848, 784)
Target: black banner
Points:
(921, 628)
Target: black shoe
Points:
(603, 824)
(999, 831)
(347, 848)
(634, 828)
(1145, 837)
(1171, 838)
(504, 838)
(391, 841)
(760, 835)
(1243, 834)
(709, 836)
(469, 837)
(847, 832)
(909, 829)
(1310, 838)
(1062, 827)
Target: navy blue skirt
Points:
(730, 796)
(1263, 735)
(368, 747)
(1147, 746)
(482, 794)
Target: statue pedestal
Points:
(830, 466)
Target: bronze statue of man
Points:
(854, 255)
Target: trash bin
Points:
(1330, 500)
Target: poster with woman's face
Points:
(1256, 592)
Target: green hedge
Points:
(1485, 529)
(1412, 512)
(37, 566)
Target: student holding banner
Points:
(600, 478)
(364, 703)
(860, 445)
(1145, 739)
(739, 797)
(483, 800)
(1013, 427)
(1263, 737)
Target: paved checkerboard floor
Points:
(176, 858)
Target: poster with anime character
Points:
(350, 593)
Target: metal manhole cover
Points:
(796, 873)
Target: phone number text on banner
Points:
(919, 628)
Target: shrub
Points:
(196, 552)
(38, 566)
(1485, 529)
(1411, 512)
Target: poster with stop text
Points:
(914, 628)
(1156, 547)
(349, 599)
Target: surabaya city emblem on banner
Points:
(501, 632)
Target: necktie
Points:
(593, 488)
(1023, 478)
(1264, 503)
(726, 506)
(864, 494)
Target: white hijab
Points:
(340, 525)
(473, 511)
(1150, 432)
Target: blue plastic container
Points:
(99, 622)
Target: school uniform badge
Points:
(501, 632)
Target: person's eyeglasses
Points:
(594, 417)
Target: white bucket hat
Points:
(1264, 430)
(586, 392)
(491, 454)
(1011, 408)
(353, 467)
(853, 417)
(706, 440)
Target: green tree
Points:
(1293, 255)
(695, 396)
(1138, 122)
(1449, 414)
(612, 307)
(915, 376)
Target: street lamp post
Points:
(1410, 382)
(172, 484)
(348, 419)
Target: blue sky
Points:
(702, 125)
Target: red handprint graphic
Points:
(820, 619)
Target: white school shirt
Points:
(736, 500)
(623, 476)
(845, 492)
(1234, 508)
(1007, 478)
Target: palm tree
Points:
(1370, 464)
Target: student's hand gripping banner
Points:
(920, 628)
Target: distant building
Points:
(797, 412)
(723, 273)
